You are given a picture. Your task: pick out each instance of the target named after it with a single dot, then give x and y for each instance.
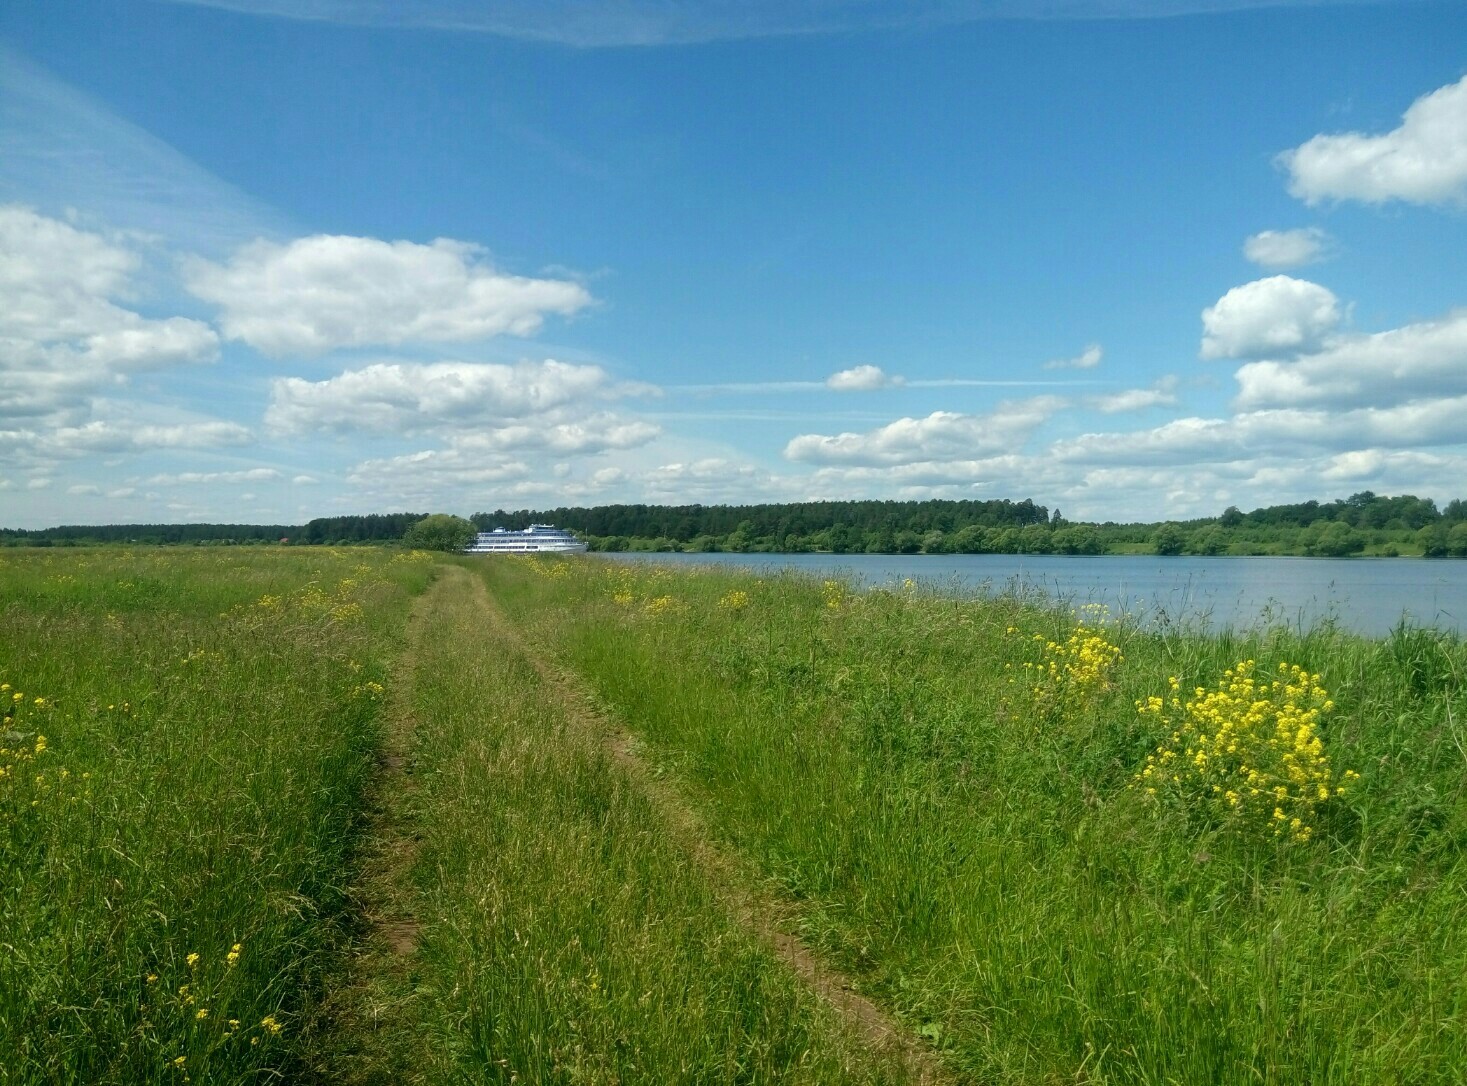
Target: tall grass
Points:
(565, 935)
(983, 854)
(187, 736)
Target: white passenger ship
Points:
(536, 539)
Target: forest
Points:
(1362, 524)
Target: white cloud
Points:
(1423, 360)
(1281, 432)
(1423, 161)
(1087, 359)
(100, 436)
(713, 479)
(1277, 315)
(862, 379)
(319, 293)
(62, 336)
(303, 480)
(407, 397)
(1287, 248)
(942, 435)
(593, 433)
(589, 24)
(1161, 394)
(66, 150)
(84, 490)
(193, 478)
(432, 474)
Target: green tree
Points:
(1169, 539)
(439, 532)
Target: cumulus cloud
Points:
(319, 293)
(942, 435)
(1423, 161)
(1287, 248)
(862, 379)
(101, 437)
(1427, 359)
(409, 397)
(1277, 315)
(62, 334)
(1087, 359)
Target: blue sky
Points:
(265, 261)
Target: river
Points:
(1366, 595)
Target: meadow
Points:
(185, 742)
(367, 815)
(1060, 847)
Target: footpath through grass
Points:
(185, 738)
(1043, 852)
(563, 936)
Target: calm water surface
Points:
(1366, 595)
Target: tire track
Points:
(755, 910)
(376, 989)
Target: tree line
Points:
(1364, 523)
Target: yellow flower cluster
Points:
(834, 594)
(735, 600)
(194, 1015)
(339, 605)
(25, 783)
(553, 568)
(659, 605)
(1070, 675)
(1249, 750)
(372, 691)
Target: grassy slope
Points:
(988, 869)
(208, 729)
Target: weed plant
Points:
(976, 840)
(186, 735)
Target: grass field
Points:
(360, 816)
(964, 814)
(186, 738)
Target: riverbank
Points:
(345, 816)
(954, 796)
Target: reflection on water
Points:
(1368, 596)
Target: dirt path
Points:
(755, 909)
(362, 1008)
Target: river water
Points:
(1366, 595)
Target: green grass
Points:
(977, 857)
(985, 865)
(197, 860)
(565, 936)
(209, 724)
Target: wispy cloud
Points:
(740, 387)
(605, 23)
(64, 149)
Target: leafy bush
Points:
(439, 532)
